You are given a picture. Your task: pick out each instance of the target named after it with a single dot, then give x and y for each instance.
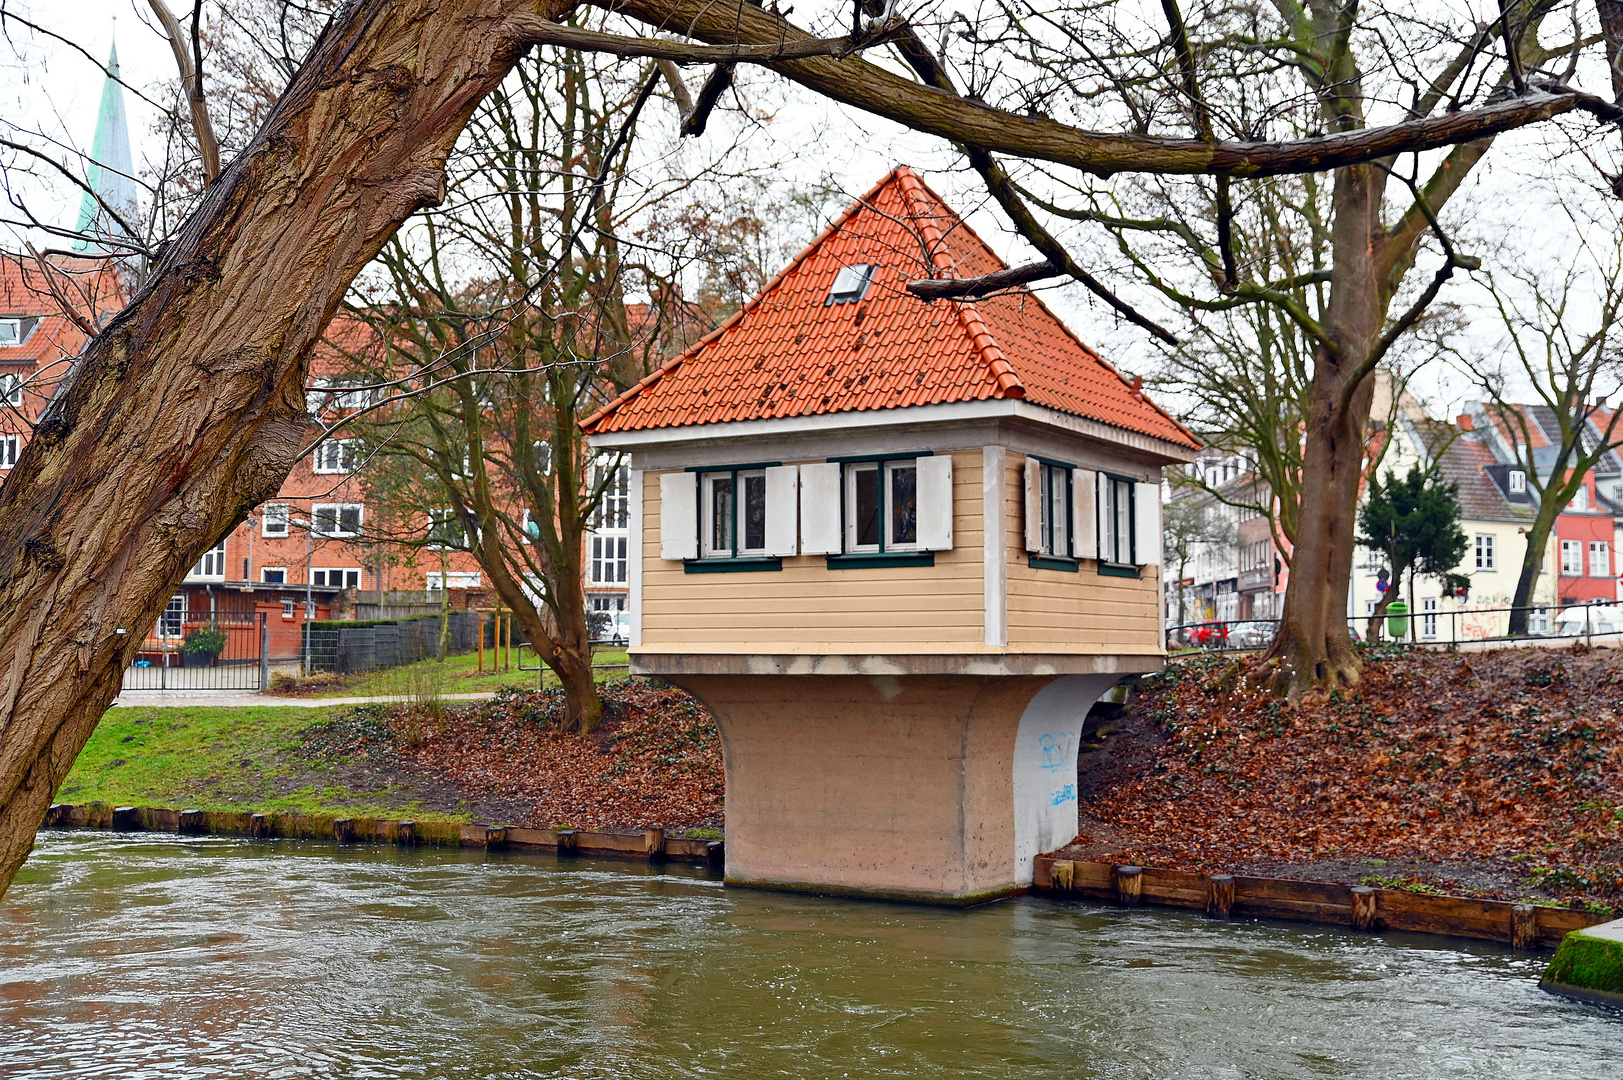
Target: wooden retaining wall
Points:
(1524, 926)
(649, 844)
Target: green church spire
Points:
(111, 174)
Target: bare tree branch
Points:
(191, 82)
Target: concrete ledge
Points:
(989, 664)
(902, 896)
(1588, 965)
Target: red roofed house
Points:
(899, 548)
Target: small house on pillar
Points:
(899, 549)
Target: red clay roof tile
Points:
(788, 353)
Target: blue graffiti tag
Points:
(1063, 795)
(1054, 752)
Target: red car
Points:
(1209, 633)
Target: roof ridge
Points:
(981, 337)
(748, 305)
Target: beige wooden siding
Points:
(1054, 611)
(807, 608)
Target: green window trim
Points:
(876, 560)
(868, 459)
(1053, 562)
(1117, 570)
(731, 566)
(733, 468)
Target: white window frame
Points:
(16, 333)
(264, 571)
(886, 471)
(287, 609)
(1055, 516)
(608, 559)
(1580, 499)
(1485, 547)
(211, 565)
(172, 620)
(1518, 481)
(736, 547)
(11, 388)
(11, 448)
(1572, 558)
(613, 513)
(343, 581)
(336, 511)
(440, 540)
(459, 579)
(275, 520)
(1428, 617)
(1113, 513)
(334, 456)
(1600, 559)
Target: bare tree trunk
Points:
(189, 409)
(1314, 645)
(1538, 539)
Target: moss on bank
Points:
(1589, 963)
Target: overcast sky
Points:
(54, 92)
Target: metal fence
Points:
(351, 647)
(1593, 623)
(203, 650)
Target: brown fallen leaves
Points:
(656, 760)
(1513, 756)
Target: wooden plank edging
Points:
(1521, 925)
(649, 845)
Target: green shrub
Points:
(205, 639)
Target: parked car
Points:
(1588, 619)
(1209, 635)
(620, 629)
(1256, 634)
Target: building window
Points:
(1116, 521)
(336, 519)
(608, 560)
(212, 564)
(1428, 617)
(11, 332)
(273, 575)
(1518, 482)
(881, 506)
(1572, 558)
(850, 284)
(614, 505)
(455, 579)
(1538, 621)
(336, 577)
(1580, 499)
(11, 389)
(10, 447)
(173, 619)
(1600, 559)
(446, 531)
(1054, 485)
(275, 521)
(734, 510)
(287, 609)
(335, 456)
(1484, 553)
(325, 394)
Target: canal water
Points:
(129, 957)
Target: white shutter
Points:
(1147, 538)
(1105, 521)
(1034, 505)
(679, 515)
(782, 510)
(820, 509)
(1084, 530)
(935, 503)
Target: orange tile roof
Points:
(787, 354)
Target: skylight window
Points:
(850, 284)
(11, 330)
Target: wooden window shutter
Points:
(679, 515)
(1084, 530)
(935, 503)
(1147, 537)
(1034, 505)
(782, 510)
(820, 509)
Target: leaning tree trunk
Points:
(188, 409)
(1314, 644)
(1538, 539)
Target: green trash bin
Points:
(1397, 619)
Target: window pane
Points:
(754, 511)
(1124, 521)
(867, 507)
(324, 520)
(1059, 539)
(721, 515)
(904, 504)
(350, 519)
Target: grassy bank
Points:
(434, 678)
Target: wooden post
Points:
(405, 833)
(1062, 875)
(1524, 927)
(126, 818)
(496, 837)
(481, 635)
(653, 842)
(57, 814)
(1129, 884)
(1220, 894)
(716, 854)
(191, 821)
(568, 841)
(259, 825)
(343, 830)
(1363, 907)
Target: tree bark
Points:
(1538, 539)
(189, 409)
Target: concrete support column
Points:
(940, 788)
